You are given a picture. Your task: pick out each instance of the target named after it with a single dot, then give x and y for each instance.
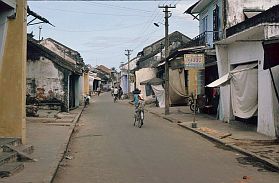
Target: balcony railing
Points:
(204, 39)
(269, 16)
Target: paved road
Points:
(107, 148)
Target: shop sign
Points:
(194, 61)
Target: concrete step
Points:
(10, 169)
(22, 156)
(9, 141)
(28, 149)
(7, 157)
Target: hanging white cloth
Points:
(160, 94)
(244, 91)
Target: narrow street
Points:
(107, 148)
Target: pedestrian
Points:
(120, 92)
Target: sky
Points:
(101, 31)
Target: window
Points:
(216, 23)
(204, 24)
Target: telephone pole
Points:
(40, 29)
(167, 16)
(128, 72)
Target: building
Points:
(151, 57)
(73, 57)
(250, 86)
(124, 75)
(215, 17)
(52, 78)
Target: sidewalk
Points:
(49, 134)
(236, 135)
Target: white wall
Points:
(242, 52)
(235, 8)
(46, 76)
(143, 75)
(275, 72)
(225, 113)
(268, 112)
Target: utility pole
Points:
(128, 72)
(167, 97)
(40, 29)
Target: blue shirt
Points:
(136, 99)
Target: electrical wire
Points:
(117, 7)
(91, 13)
(96, 30)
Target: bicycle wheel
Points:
(140, 119)
(192, 106)
(135, 119)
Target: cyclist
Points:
(136, 93)
(137, 98)
(115, 93)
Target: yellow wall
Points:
(192, 81)
(13, 76)
(86, 83)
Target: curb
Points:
(265, 161)
(62, 151)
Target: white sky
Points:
(102, 30)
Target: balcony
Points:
(204, 39)
(269, 16)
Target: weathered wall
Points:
(143, 75)
(44, 80)
(235, 9)
(58, 50)
(13, 74)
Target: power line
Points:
(95, 30)
(91, 13)
(118, 7)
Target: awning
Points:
(249, 13)
(36, 16)
(227, 77)
(219, 81)
(153, 81)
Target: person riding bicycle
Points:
(136, 93)
(137, 99)
(115, 92)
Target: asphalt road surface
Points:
(107, 148)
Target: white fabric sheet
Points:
(177, 89)
(160, 94)
(219, 82)
(244, 91)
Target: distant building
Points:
(52, 78)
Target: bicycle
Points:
(115, 98)
(139, 115)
